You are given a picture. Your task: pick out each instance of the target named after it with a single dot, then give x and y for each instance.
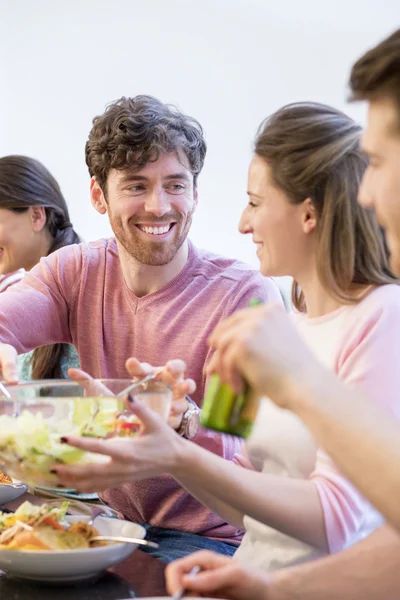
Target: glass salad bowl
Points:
(34, 416)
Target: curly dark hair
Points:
(135, 131)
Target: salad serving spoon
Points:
(5, 391)
(124, 540)
(99, 512)
(136, 384)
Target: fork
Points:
(180, 593)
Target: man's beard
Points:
(151, 252)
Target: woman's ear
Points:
(309, 216)
(38, 218)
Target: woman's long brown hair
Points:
(25, 182)
(314, 152)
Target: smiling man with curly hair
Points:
(148, 293)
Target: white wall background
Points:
(229, 63)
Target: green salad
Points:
(30, 443)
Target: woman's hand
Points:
(157, 449)
(261, 345)
(219, 577)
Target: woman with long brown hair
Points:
(34, 222)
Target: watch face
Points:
(193, 424)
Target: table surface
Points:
(139, 576)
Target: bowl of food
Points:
(10, 489)
(41, 543)
(34, 416)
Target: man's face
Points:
(380, 187)
(151, 210)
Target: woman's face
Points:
(280, 229)
(21, 238)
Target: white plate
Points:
(58, 566)
(11, 492)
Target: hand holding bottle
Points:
(228, 410)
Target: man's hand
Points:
(219, 577)
(173, 374)
(91, 386)
(8, 363)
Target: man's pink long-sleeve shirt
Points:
(78, 295)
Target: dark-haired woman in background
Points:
(34, 222)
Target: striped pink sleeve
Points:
(368, 360)
(41, 298)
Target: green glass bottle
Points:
(226, 411)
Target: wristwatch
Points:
(190, 421)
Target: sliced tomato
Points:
(129, 426)
(53, 523)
